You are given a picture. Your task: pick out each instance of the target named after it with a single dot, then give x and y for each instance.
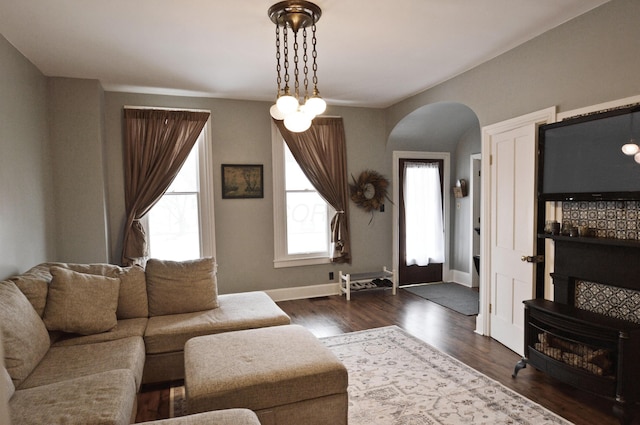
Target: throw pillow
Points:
(181, 287)
(81, 303)
(9, 388)
(24, 335)
(132, 301)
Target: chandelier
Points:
(296, 105)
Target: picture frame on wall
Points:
(242, 181)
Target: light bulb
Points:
(636, 157)
(630, 149)
(287, 104)
(307, 111)
(316, 105)
(276, 113)
(297, 122)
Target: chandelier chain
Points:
(295, 63)
(278, 66)
(286, 59)
(314, 54)
(305, 58)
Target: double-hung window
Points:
(180, 225)
(301, 216)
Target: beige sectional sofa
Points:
(81, 339)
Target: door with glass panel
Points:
(421, 239)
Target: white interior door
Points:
(513, 205)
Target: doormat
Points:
(459, 298)
(398, 379)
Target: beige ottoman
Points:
(283, 373)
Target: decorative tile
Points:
(608, 300)
(609, 219)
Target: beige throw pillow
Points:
(81, 303)
(25, 337)
(181, 287)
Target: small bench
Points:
(283, 373)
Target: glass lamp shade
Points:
(287, 104)
(630, 149)
(297, 122)
(276, 113)
(316, 105)
(636, 157)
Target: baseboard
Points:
(303, 292)
(462, 278)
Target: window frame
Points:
(281, 256)
(205, 194)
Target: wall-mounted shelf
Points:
(590, 240)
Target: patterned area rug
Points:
(397, 379)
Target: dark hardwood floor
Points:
(442, 328)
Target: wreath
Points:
(369, 190)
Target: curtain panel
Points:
(156, 144)
(321, 152)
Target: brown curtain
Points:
(156, 144)
(321, 152)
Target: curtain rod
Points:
(165, 109)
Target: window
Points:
(180, 225)
(301, 216)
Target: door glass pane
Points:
(306, 223)
(174, 228)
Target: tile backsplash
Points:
(608, 219)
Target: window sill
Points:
(296, 262)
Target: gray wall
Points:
(26, 215)
(241, 133)
(591, 59)
(76, 133)
(588, 60)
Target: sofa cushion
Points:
(175, 287)
(106, 398)
(218, 417)
(69, 362)
(7, 383)
(81, 303)
(24, 335)
(125, 329)
(240, 311)
(132, 299)
(34, 284)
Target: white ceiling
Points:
(370, 52)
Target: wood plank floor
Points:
(444, 329)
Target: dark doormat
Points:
(459, 298)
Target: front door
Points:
(409, 274)
(513, 206)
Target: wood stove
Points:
(591, 351)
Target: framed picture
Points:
(241, 181)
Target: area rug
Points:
(451, 295)
(397, 379)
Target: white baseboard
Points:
(463, 278)
(302, 292)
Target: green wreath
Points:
(369, 190)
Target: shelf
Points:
(594, 241)
(347, 279)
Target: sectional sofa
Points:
(81, 339)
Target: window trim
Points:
(205, 194)
(281, 258)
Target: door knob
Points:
(532, 259)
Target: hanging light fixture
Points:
(631, 148)
(297, 106)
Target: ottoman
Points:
(283, 373)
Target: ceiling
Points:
(371, 53)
